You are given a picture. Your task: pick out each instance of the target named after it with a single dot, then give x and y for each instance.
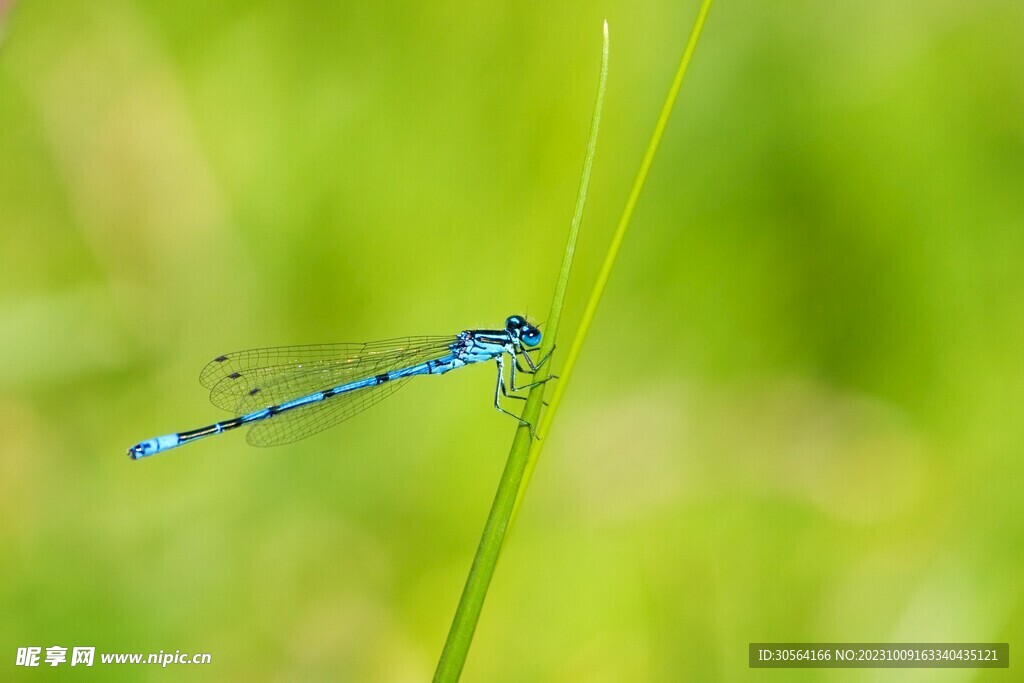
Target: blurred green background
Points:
(797, 418)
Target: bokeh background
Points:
(797, 418)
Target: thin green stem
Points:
(613, 251)
(467, 614)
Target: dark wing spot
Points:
(254, 391)
(234, 375)
(220, 359)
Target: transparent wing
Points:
(307, 420)
(245, 381)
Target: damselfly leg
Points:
(506, 391)
(499, 389)
(529, 361)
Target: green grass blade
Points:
(613, 250)
(460, 636)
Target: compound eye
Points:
(513, 321)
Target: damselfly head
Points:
(519, 327)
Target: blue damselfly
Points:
(290, 392)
